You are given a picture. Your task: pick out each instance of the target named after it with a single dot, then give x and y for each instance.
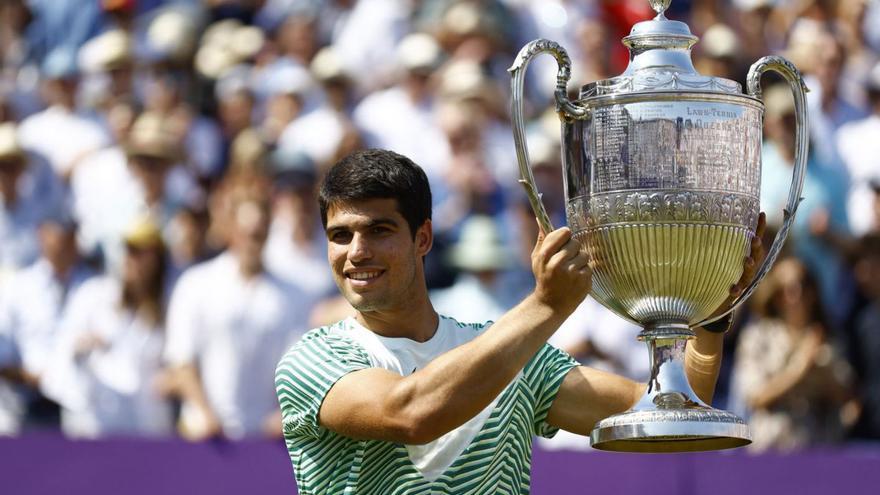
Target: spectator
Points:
(229, 322)
(120, 183)
(865, 346)
(479, 292)
(59, 133)
(791, 381)
(824, 196)
(860, 149)
(29, 314)
(105, 370)
(402, 118)
(297, 246)
(28, 192)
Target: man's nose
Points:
(359, 248)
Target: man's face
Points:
(375, 260)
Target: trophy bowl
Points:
(662, 171)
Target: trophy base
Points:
(669, 417)
(671, 430)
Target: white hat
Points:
(172, 34)
(720, 41)
(107, 51)
(288, 79)
(327, 65)
(419, 51)
(10, 147)
(480, 247)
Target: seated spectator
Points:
(106, 367)
(790, 380)
(229, 322)
(30, 313)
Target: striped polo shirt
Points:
(489, 454)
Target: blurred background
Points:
(160, 245)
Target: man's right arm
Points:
(378, 404)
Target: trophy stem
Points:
(669, 417)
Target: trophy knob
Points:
(660, 7)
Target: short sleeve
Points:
(307, 372)
(545, 373)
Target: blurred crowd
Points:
(160, 245)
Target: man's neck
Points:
(415, 322)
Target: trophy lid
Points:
(660, 60)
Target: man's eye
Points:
(381, 230)
(340, 237)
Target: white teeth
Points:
(363, 275)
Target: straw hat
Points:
(172, 34)
(327, 66)
(108, 51)
(225, 44)
(480, 247)
(150, 137)
(143, 232)
(419, 52)
(10, 147)
(719, 41)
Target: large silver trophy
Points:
(662, 169)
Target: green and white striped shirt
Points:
(490, 454)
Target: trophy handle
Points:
(565, 107)
(790, 73)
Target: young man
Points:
(401, 400)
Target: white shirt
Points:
(317, 134)
(111, 390)
(306, 267)
(391, 120)
(39, 193)
(235, 330)
(32, 309)
(61, 136)
(859, 145)
(366, 35)
(610, 334)
(468, 300)
(404, 356)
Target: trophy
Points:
(662, 172)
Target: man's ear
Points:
(424, 239)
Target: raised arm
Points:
(382, 405)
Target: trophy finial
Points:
(660, 7)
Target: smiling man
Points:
(401, 400)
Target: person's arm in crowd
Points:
(184, 382)
(801, 362)
(588, 395)
(378, 404)
(182, 378)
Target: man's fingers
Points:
(762, 225)
(553, 243)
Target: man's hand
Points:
(563, 277)
(751, 263)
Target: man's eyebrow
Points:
(376, 222)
